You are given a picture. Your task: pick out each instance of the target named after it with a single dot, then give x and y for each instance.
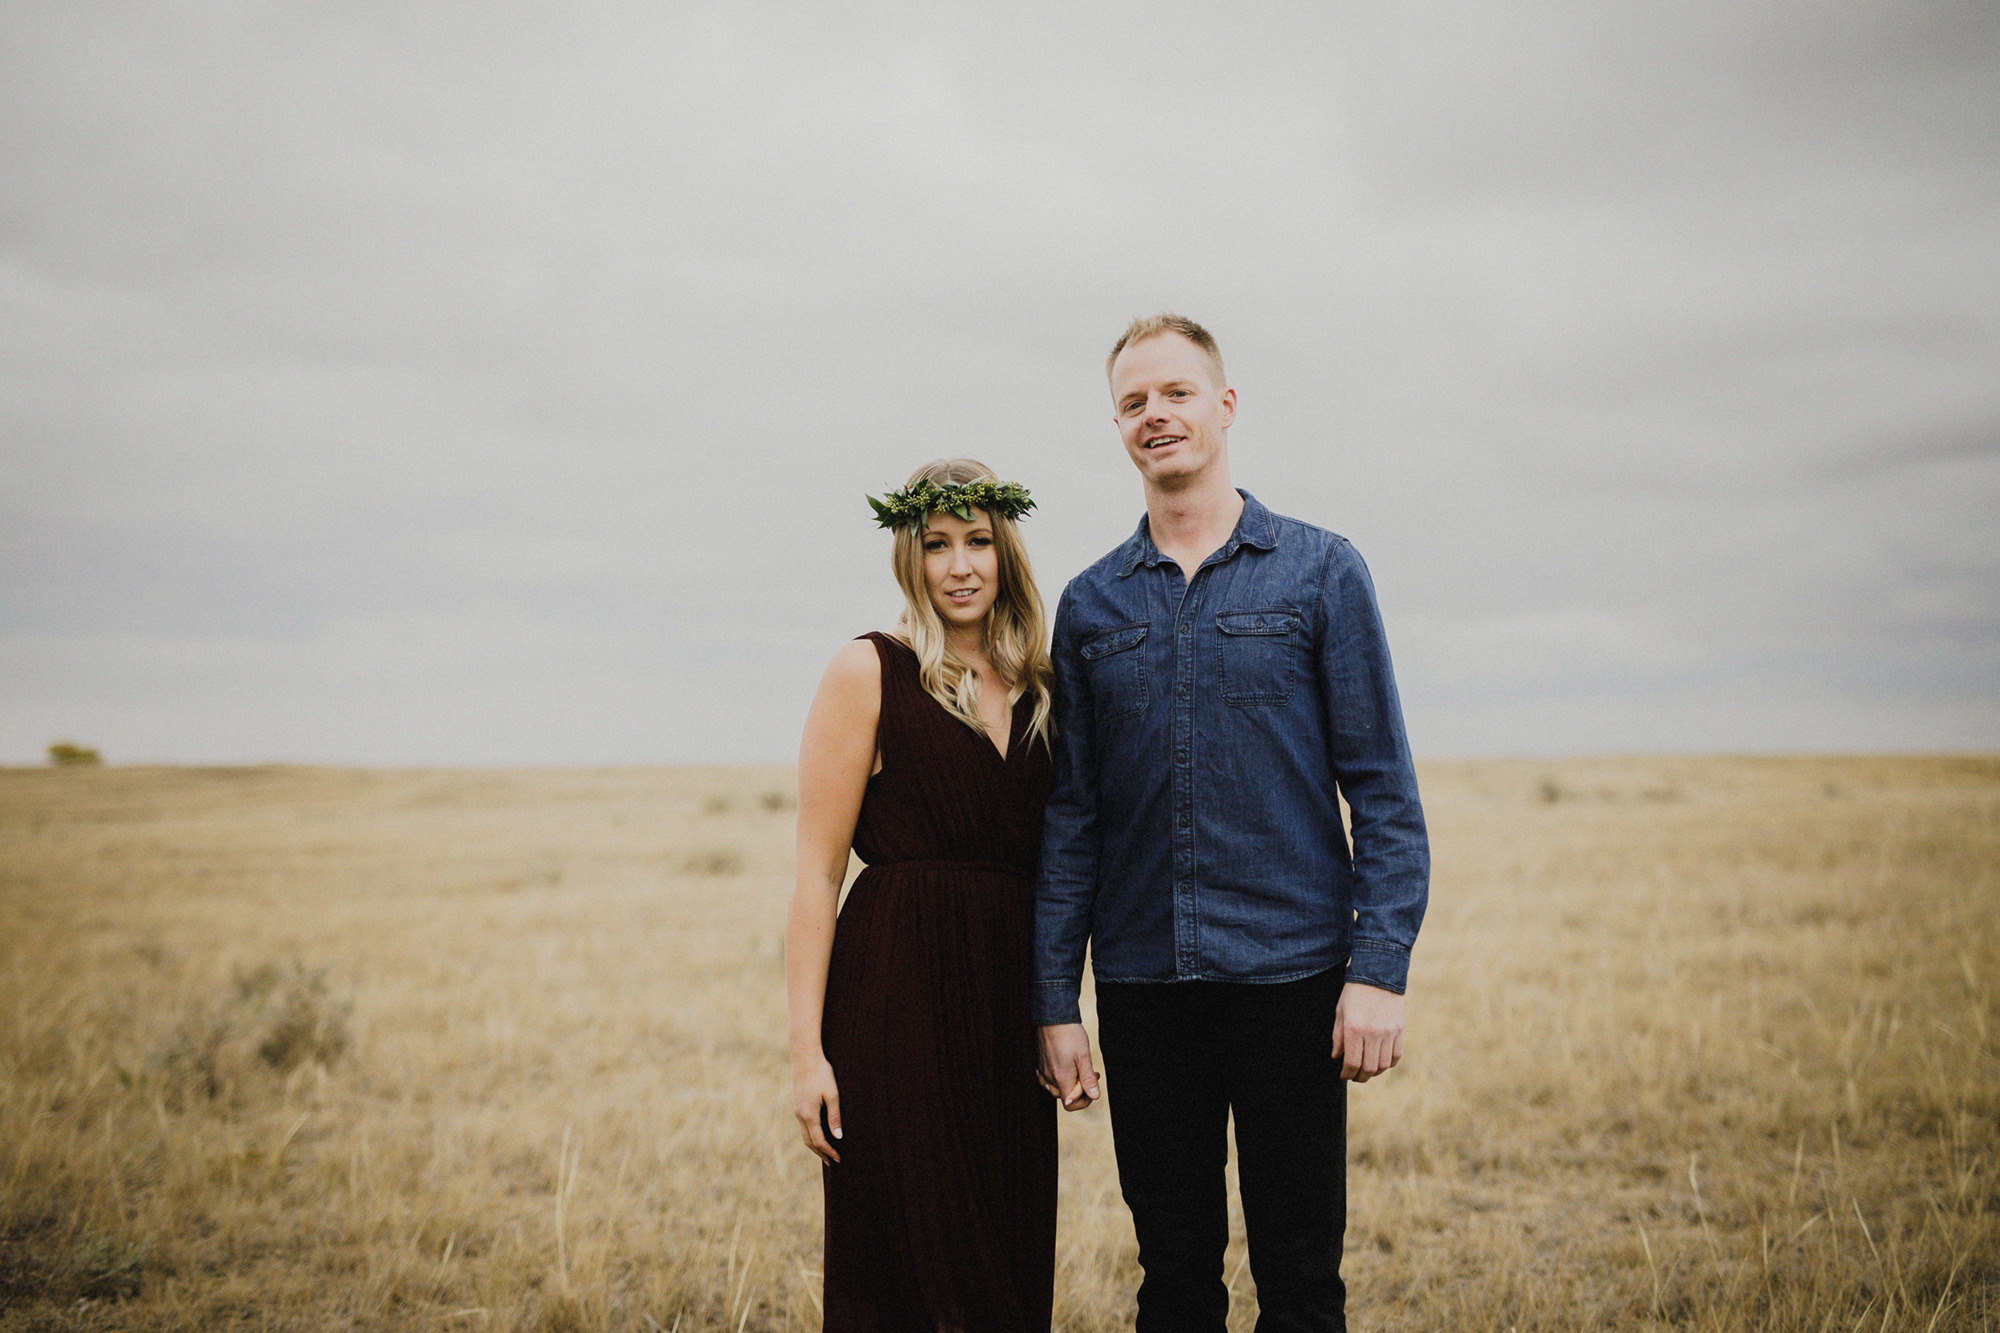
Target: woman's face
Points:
(961, 569)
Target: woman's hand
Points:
(813, 1087)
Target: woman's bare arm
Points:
(836, 757)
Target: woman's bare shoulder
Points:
(856, 668)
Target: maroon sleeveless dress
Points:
(942, 1210)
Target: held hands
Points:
(1367, 1031)
(813, 1087)
(1065, 1069)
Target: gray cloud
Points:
(489, 383)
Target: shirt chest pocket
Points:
(1260, 649)
(1117, 667)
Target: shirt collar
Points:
(1254, 527)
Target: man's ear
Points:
(1228, 397)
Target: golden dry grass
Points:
(1695, 1043)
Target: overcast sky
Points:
(431, 382)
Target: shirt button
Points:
(1186, 627)
(1260, 622)
(1180, 756)
(1181, 690)
(1185, 821)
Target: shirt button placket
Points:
(1187, 950)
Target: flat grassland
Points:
(1694, 1044)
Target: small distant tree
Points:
(64, 754)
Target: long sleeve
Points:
(1066, 889)
(1372, 764)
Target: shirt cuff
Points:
(1054, 1002)
(1379, 963)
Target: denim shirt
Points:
(1205, 731)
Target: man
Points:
(1222, 682)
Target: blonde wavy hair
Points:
(1016, 630)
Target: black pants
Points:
(1179, 1058)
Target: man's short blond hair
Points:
(1152, 326)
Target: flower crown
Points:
(913, 504)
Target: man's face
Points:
(1171, 413)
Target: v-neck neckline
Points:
(986, 738)
(1013, 721)
(1013, 725)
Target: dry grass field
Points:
(1694, 1044)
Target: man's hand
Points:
(1066, 1070)
(1367, 1031)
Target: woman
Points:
(913, 1059)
